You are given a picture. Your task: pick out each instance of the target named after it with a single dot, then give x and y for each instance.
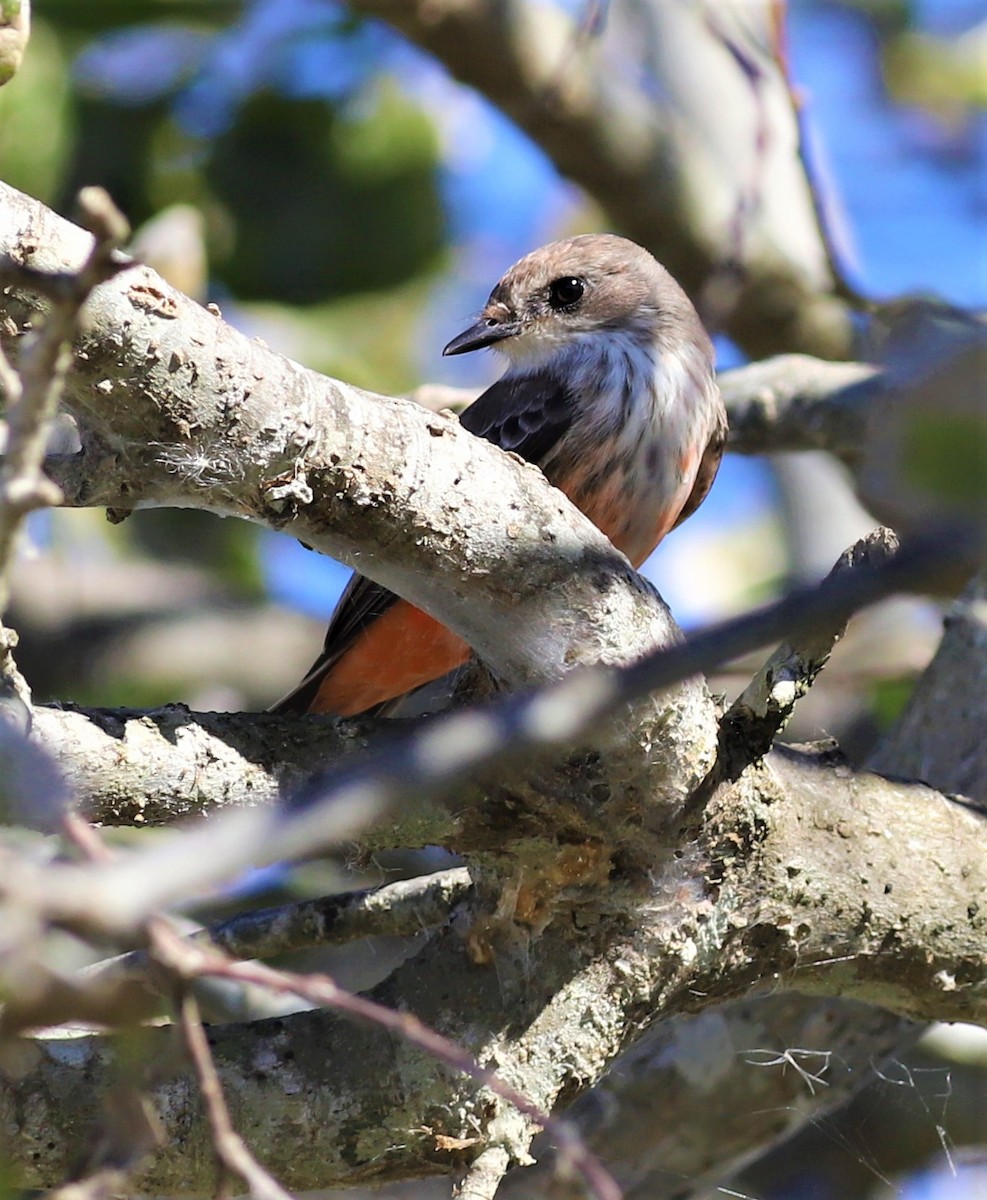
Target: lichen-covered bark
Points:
(805, 875)
(171, 763)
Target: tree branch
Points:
(401, 909)
(652, 1111)
(765, 896)
(158, 766)
(449, 751)
(717, 922)
(699, 1096)
(793, 402)
(806, 886)
(177, 408)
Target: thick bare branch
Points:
(762, 879)
(809, 887)
(198, 415)
(451, 750)
(699, 1096)
(759, 888)
(650, 1105)
(655, 1109)
(157, 766)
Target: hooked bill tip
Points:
(485, 332)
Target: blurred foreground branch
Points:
(32, 392)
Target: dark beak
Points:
(485, 332)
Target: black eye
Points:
(565, 292)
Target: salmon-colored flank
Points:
(401, 650)
(688, 462)
(617, 512)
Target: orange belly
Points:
(634, 524)
(398, 652)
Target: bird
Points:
(610, 389)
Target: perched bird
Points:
(609, 388)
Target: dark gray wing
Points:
(526, 415)
(361, 603)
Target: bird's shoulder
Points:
(527, 414)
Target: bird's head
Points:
(569, 291)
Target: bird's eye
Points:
(565, 292)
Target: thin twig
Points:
(751, 724)
(232, 1153)
(193, 961)
(85, 837)
(826, 214)
(32, 396)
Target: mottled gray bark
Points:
(607, 898)
(816, 878)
